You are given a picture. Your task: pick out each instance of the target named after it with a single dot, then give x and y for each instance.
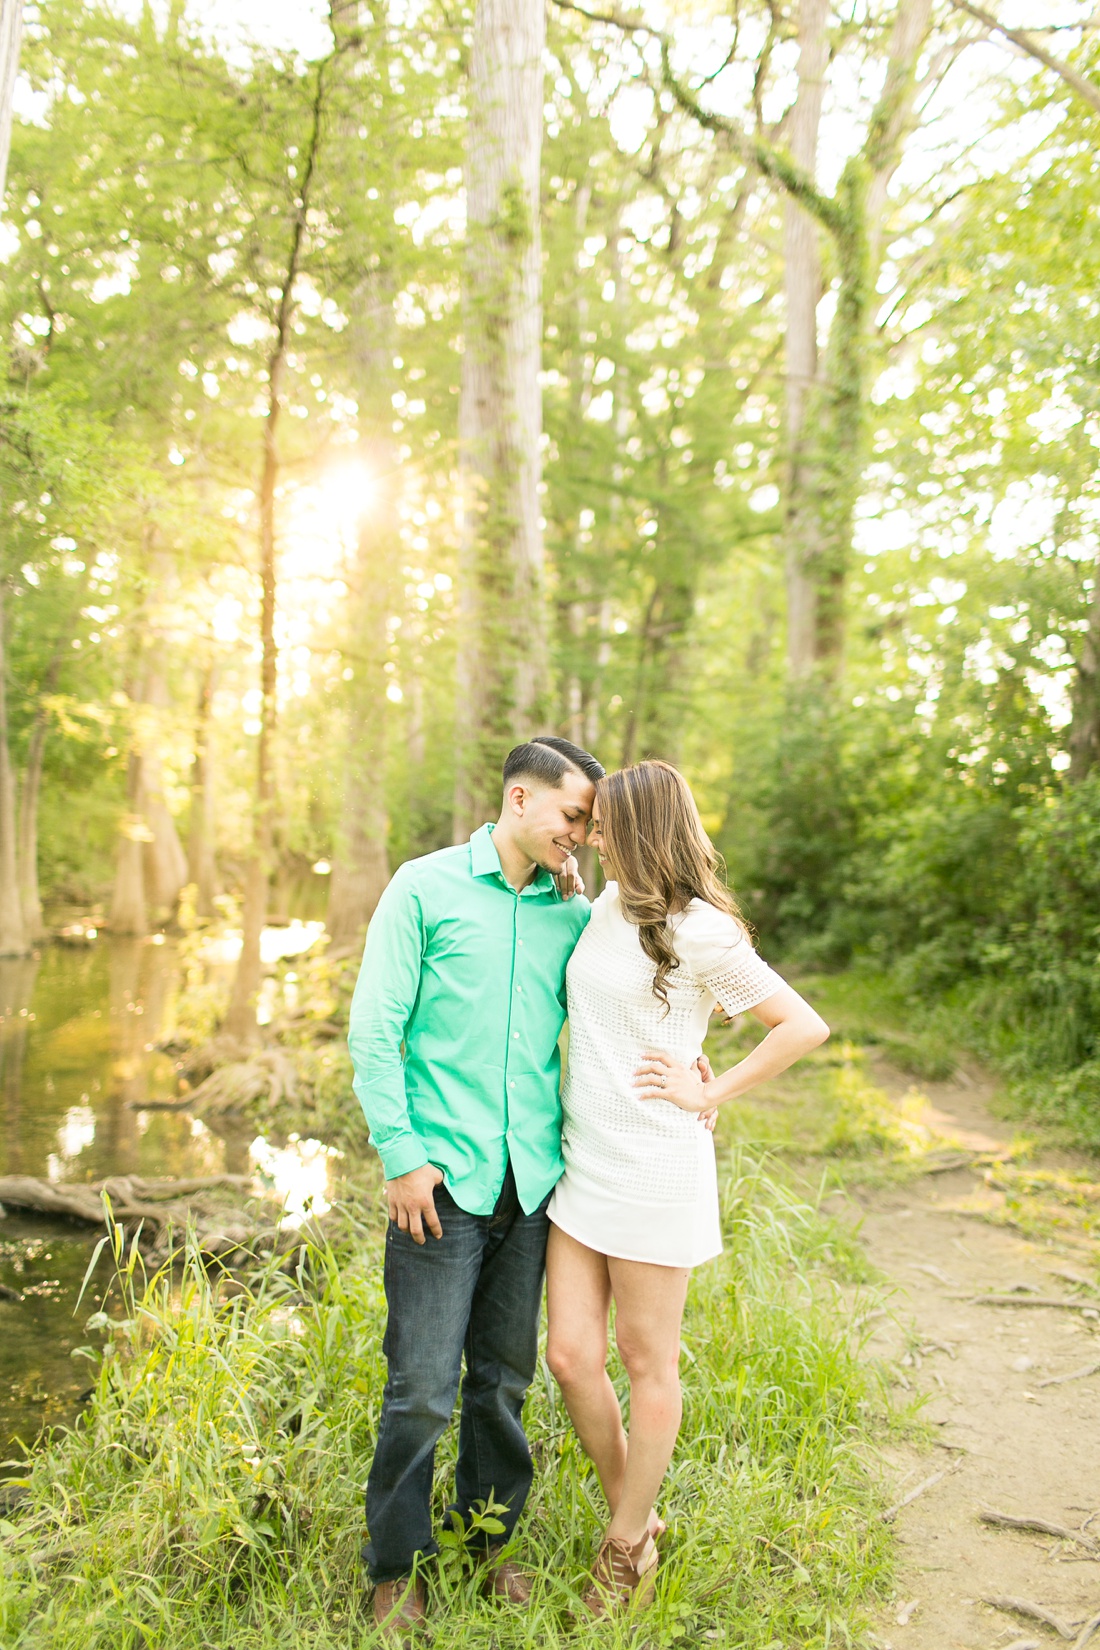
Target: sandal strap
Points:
(617, 1562)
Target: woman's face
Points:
(595, 840)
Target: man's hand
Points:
(411, 1199)
(569, 879)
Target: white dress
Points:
(640, 1179)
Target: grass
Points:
(828, 1116)
(1033, 1049)
(829, 1110)
(212, 1495)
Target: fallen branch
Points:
(1074, 1375)
(1037, 1612)
(1042, 1525)
(892, 1512)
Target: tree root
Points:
(891, 1512)
(131, 1197)
(1037, 1612)
(1074, 1375)
(1086, 1632)
(1032, 1300)
(1042, 1525)
(234, 1086)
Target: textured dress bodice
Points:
(626, 1156)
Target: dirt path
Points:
(1008, 1441)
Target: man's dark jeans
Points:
(477, 1290)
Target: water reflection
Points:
(298, 1174)
(17, 983)
(79, 1062)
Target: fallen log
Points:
(132, 1198)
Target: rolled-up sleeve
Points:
(385, 995)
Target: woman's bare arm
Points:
(794, 1028)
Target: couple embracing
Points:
(473, 959)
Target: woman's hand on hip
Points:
(706, 1072)
(660, 1077)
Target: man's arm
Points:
(385, 994)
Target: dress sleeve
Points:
(716, 951)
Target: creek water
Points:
(79, 1062)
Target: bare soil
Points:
(1009, 1442)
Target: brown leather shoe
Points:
(622, 1576)
(400, 1609)
(504, 1579)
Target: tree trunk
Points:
(129, 912)
(827, 462)
(29, 895)
(1084, 729)
(802, 278)
(361, 863)
(150, 867)
(202, 870)
(11, 36)
(165, 860)
(13, 933)
(502, 662)
(240, 1021)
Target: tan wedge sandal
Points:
(623, 1576)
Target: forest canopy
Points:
(801, 304)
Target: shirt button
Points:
(511, 1085)
(515, 1036)
(519, 988)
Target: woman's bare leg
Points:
(649, 1309)
(578, 1296)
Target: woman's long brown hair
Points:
(660, 854)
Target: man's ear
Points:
(516, 796)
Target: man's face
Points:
(552, 823)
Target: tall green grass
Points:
(1036, 1042)
(212, 1495)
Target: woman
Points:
(637, 1206)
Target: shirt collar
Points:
(485, 862)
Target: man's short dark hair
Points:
(547, 759)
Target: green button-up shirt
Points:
(455, 1023)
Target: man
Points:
(453, 1034)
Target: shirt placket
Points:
(513, 1029)
(515, 1008)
